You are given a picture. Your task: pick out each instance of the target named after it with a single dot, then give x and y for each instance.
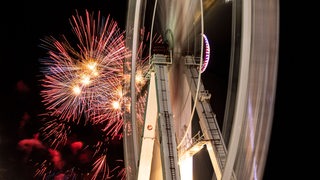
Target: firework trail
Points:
(75, 149)
(54, 130)
(74, 75)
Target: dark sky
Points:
(24, 23)
(293, 115)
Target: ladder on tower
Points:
(207, 120)
(168, 142)
(159, 110)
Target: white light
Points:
(76, 90)
(85, 80)
(186, 168)
(91, 66)
(139, 78)
(116, 105)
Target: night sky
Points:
(24, 23)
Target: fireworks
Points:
(80, 76)
(82, 94)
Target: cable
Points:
(199, 79)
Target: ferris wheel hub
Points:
(169, 40)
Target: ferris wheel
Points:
(164, 147)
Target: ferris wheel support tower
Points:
(166, 139)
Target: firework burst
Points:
(75, 75)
